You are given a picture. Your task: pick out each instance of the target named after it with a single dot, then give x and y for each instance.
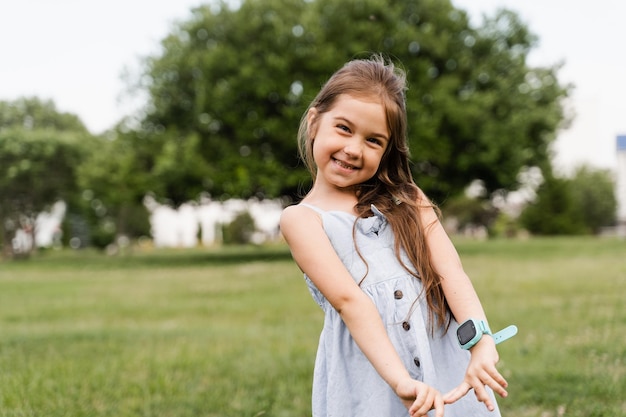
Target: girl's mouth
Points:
(344, 165)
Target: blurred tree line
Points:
(227, 90)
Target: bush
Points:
(505, 226)
(469, 211)
(240, 230)
(580, 205)
(555, 211)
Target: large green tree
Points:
(228, 89)
(115, 180)
(33, 113)
(40, 149)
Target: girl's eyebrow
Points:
(348, 122)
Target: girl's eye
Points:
(344, 128)
(375, 141)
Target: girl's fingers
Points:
(479, 390)
(420, 403)
(484, 397)
(426, 401)
(495, 381)
(457, 393)
(439, 404)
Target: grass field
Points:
(233, 332)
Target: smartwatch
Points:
(472, 330)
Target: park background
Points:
(121, 326)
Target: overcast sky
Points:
(75, 52)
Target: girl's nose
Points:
(353, 149)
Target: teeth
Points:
(341, 164)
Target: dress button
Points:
(406, 326)
(417, 362)
(397, 294)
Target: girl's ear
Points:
(311, 119)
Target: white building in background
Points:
(47, 230)
(621, 180)
(173, 228)
(201, 223)
(48, 225)
(190, 225)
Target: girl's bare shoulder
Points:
(298, 214)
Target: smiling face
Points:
(349, 141)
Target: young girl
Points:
(379, 263)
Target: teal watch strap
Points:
(483, 327)
(505, 334)
(472, 330)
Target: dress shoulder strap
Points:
(312, 207)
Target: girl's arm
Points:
(465, 304)
(314, 254)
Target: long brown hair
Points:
(392, 190)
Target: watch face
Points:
(466, 332)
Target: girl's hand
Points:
(420, 398)
(481, 372)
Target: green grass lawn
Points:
(233, 332)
